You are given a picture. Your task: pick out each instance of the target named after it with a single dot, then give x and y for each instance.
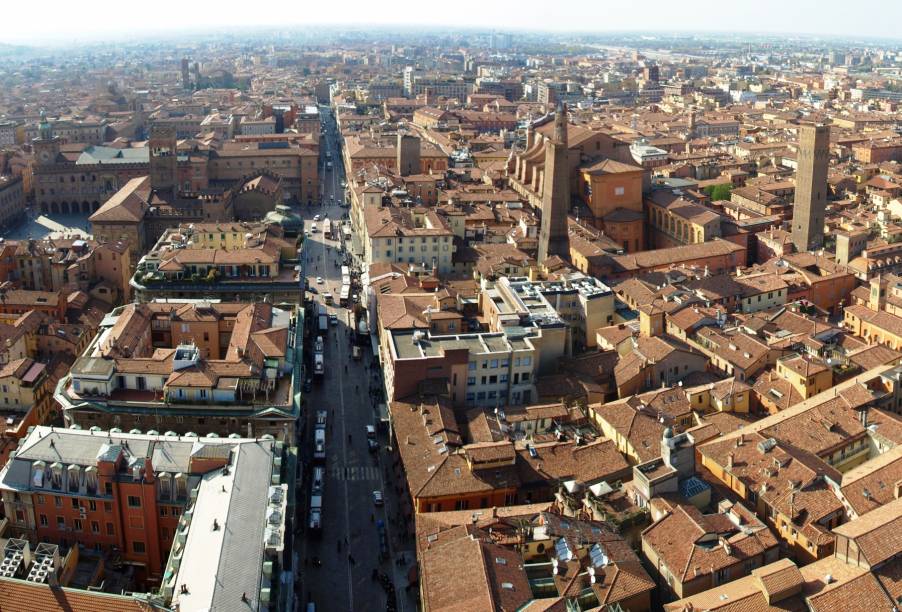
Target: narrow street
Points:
(347, 546)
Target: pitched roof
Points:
(38, 597)
(126, 205)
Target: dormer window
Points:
(38, 474)
(74, 478)
(181, 486)
(91, 480)
(165, 486)
(56, 475)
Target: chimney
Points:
(726, 545)
(897, 489)
(730, 461)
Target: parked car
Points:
(319, 280)
(308, 385)
(372, 445)
(377, 498)
(333, 319)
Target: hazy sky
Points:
(74, 20)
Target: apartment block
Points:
(188, 366)
(581, 302)
(483, 369)
(12, 200)
(227, 261)
(411, 236)
(176, 508)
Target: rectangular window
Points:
(95, 527)
(58, 501)
(42, 519)
(74, 502)
(60, 523)
(134, 501)
(76, 525)
(92, 505)
(109, 529)
(164, 511)
(471, 380)
(494, 363)
(138, 547)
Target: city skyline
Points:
(418, 307)
(71, 23)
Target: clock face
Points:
(45, 155)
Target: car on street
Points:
(333, 320)
(319, 280)
(316, 217)
(377, 498)
(308, 385)
(372, 446)
(312, 290)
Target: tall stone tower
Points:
(811, 187)
(553, 233)
(186, 79)
(46, 145)
(163, 161)
(408, 153)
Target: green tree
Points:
(718, 192)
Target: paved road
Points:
(352, 472)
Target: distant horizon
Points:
(98, 21)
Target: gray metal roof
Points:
(241, 558)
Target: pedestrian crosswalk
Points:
(354, 472)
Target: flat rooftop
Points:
(476, 344)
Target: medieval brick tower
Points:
(163, 161)
(811, 187)
(553, 234)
